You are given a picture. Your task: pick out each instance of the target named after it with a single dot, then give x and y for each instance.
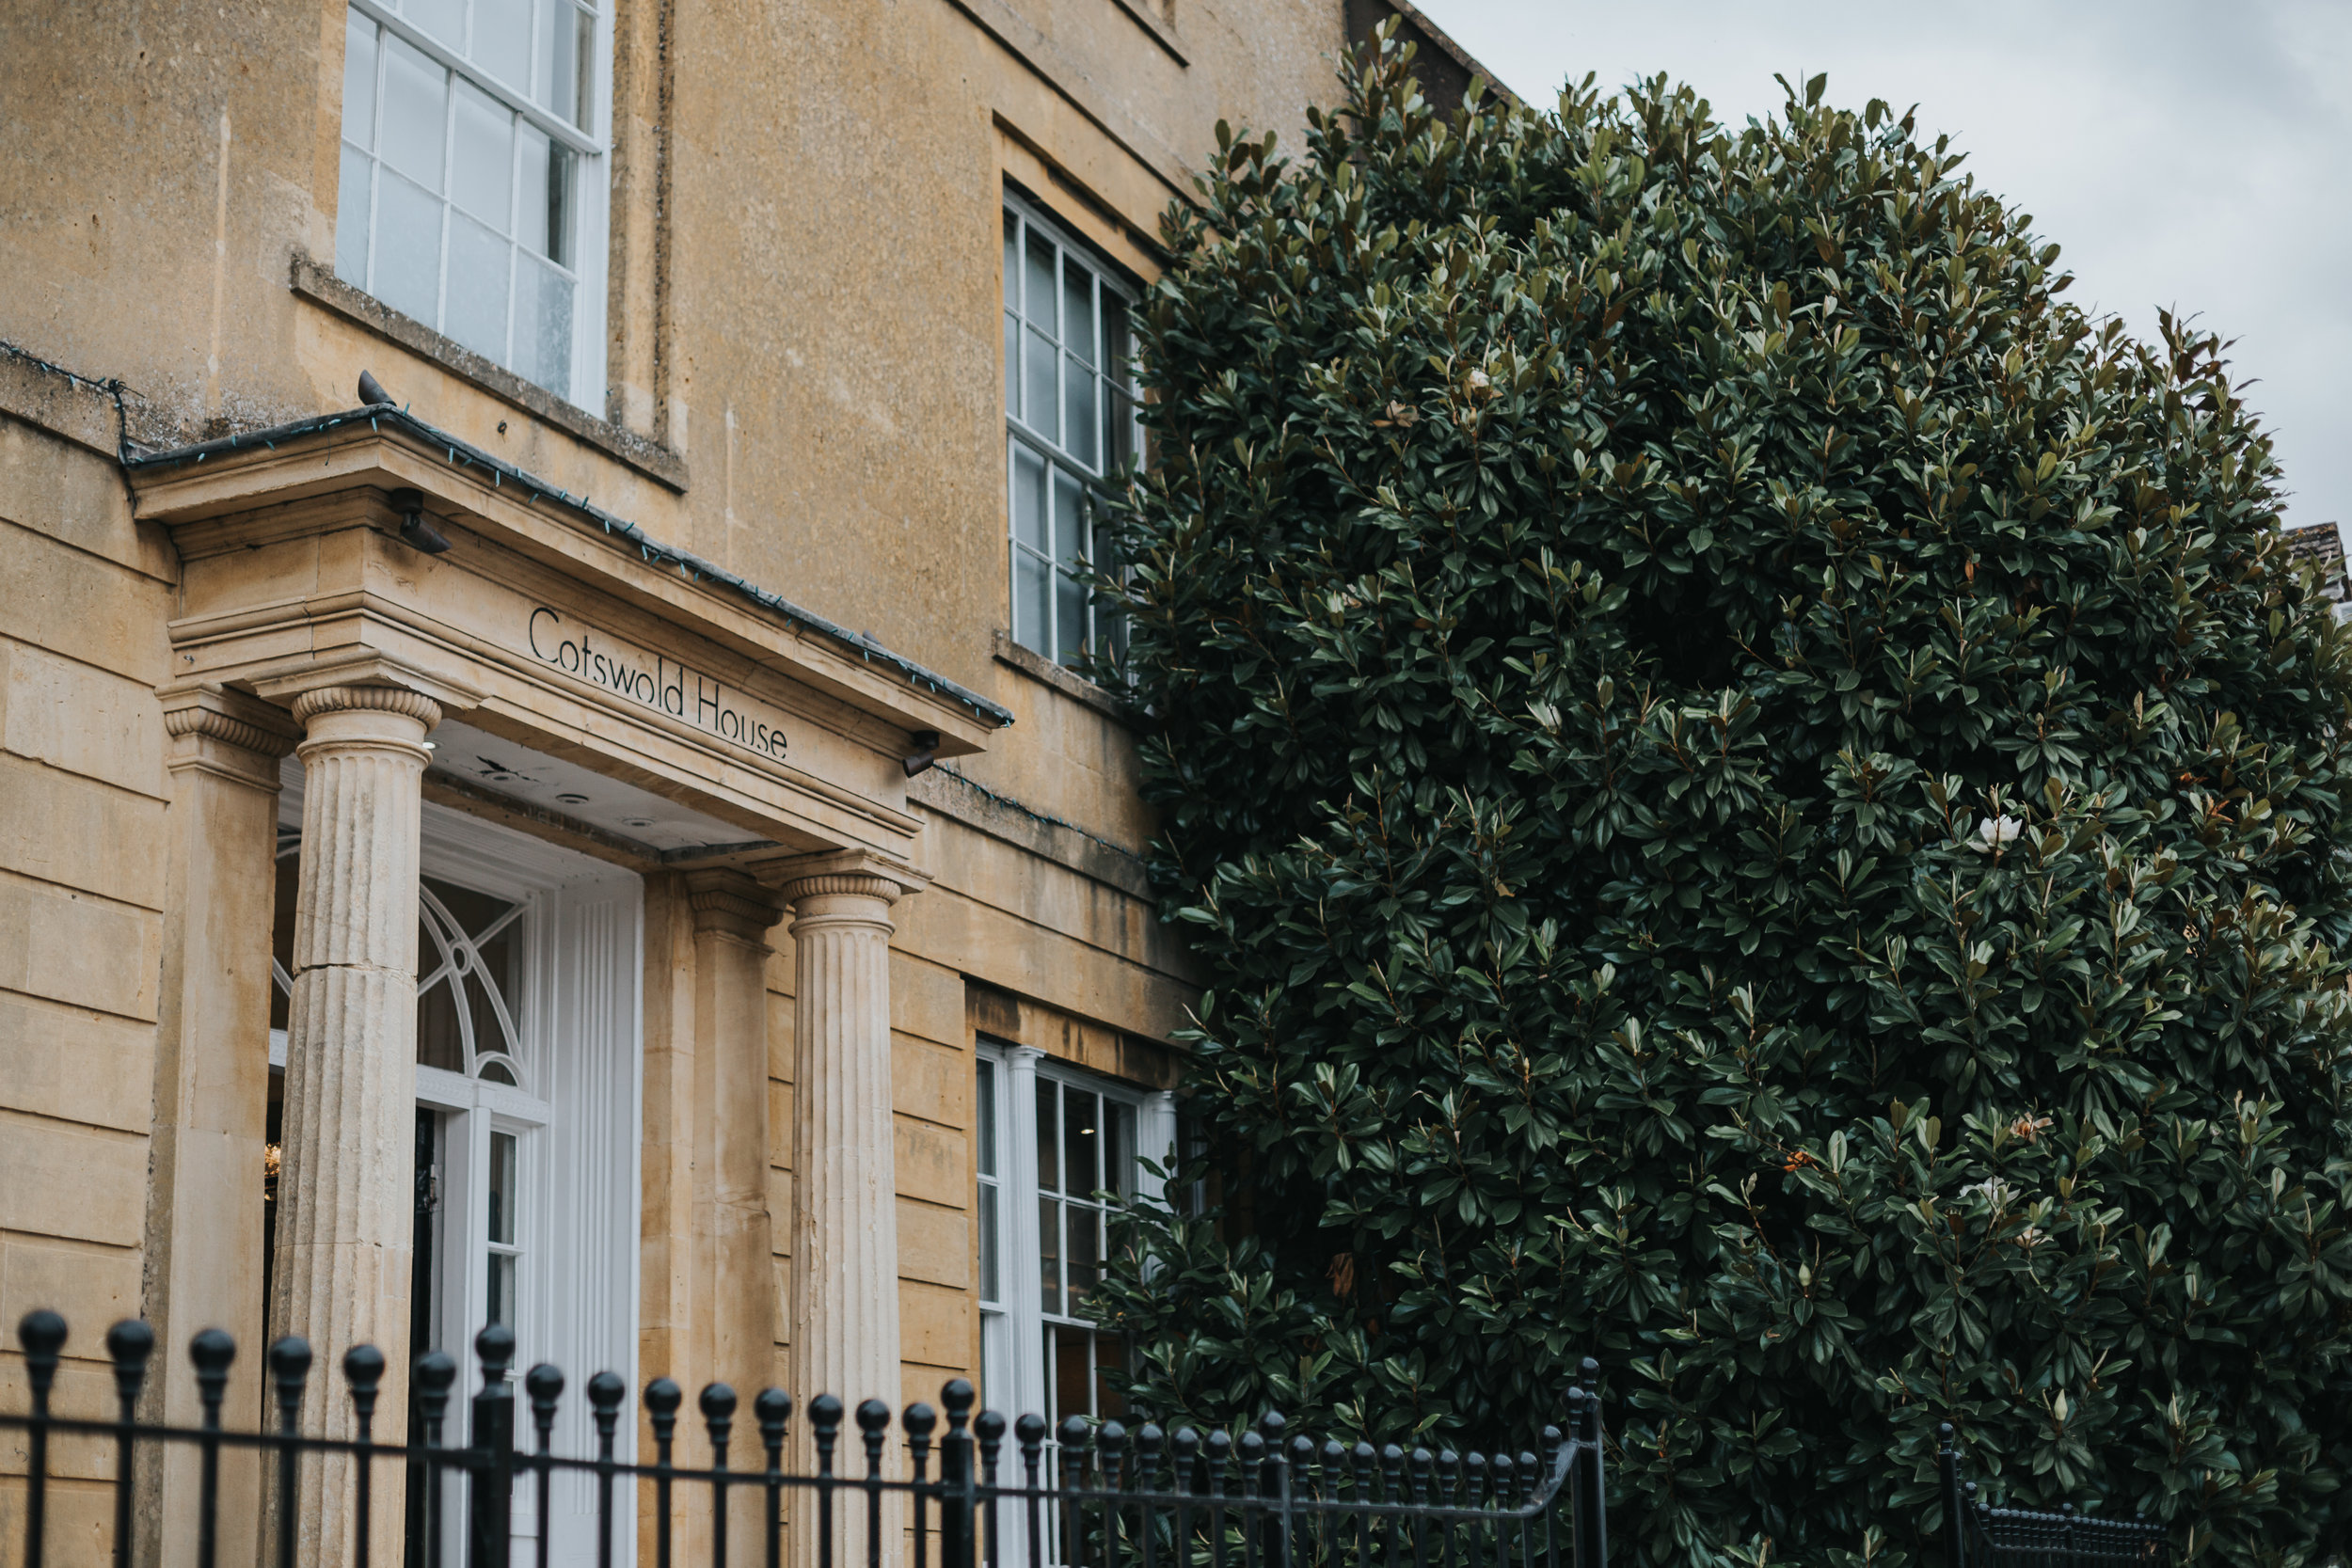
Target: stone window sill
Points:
(320, 285)
(1146, 15)
(1069, 682)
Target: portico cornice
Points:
(234, 493)
(579, 644)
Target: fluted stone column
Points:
(203, 1252)
(735, 1240)
(844, 1221)
(346, 1176)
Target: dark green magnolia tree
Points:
(1760, 799)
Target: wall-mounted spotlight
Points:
(414, 531)
(926, 752)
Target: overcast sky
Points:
(2188, 153)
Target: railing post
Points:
(774, 1409)
(605, 1393)
(717, 1403)
(1277, 1485)
(490, 1498)
(959, 1493)
(435, 1376)
(42, 1335)
(1955, 1524)
(545, 1384)
(1592, 1503)
(289, 1369)
(212, 1349)
(130, 1342)
(662, 1398)
(363, 1369)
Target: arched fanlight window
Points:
(469, 974)
(468, 971)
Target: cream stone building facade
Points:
(598, 831)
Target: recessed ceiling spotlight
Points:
(636, 821)
(573, 800)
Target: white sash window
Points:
(473, 180)
(1056, 1151)
(1070, 416)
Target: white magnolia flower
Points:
(1999, 830)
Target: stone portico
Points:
(308, 621)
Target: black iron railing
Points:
(1008, 1495)
(1978, 1535)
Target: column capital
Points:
(732, 904)
(219, 730)
(856, 873)
(367, 699)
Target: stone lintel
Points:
(447, 692)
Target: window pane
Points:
(1073, 1375)
(1032, 602)
(1070, 618)
(1081, 1115)
(1078, 418)
(539, 203)
(561, 163)
(1038, 400)
(984, 1115)
(1048, 1136)
(482, 164)
(1012, 263)
(1069, 519)
(407, 271)
(444, 18)
(1119, 408)
(359, 80)
(1049, 1251)
(503, 1190)
(416, 100)
(1085, 1254)
(498, 961)
(570, 56)
(1028, 499)
(1038, 298)
(1012, 364)
(476, 317)
(501, 39)
(1120, 1151)
(438, 1042)
(988, 1243)
(543, 325)
(1077, 308)
(351, 218)
(503, 1288)
(1109, 1356)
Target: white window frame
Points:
(591, 193)
(1013, 1325)
(1101, 629)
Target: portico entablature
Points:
(544, 625)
